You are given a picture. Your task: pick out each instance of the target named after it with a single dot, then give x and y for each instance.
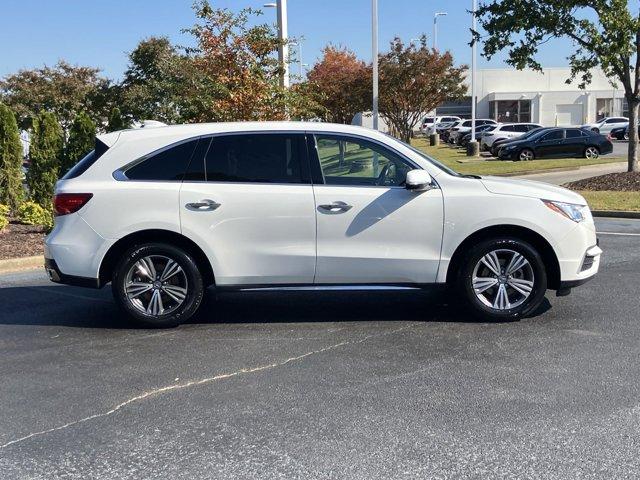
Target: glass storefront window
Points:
(510, 111)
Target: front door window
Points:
(352, 161)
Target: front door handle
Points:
(205, 205)
(335, 207)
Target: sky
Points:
(100, 33)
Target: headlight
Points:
(572, 211)
(508, 147)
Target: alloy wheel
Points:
(591, 152)
(156, 285)
(503, 279)
(526, 155)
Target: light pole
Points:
(283, 49)
(301, 65)
(374, 54)
(435, 28)
(472, 149)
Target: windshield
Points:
(431, 160)
(538, 133)
(531, 133)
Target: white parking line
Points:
(620, 233)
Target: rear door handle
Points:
(335, 207)
(205, 205)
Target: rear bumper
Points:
(607, 148)
(55, 275)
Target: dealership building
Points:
(509, 95)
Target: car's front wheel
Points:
(157, 285)
(502, 279)
(526, 154)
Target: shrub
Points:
(32, 213)
(11, 190)
(45, 152)
(82, 136)
(4, 213)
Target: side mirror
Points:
(418, 180)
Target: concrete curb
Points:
(615, 214)
(11, 265)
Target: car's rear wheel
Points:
(158, 285)
(591, 152)
(502, 279)
(526, 154)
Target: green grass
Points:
(608, 200)
(457, 160)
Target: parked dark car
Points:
(622, 133)
(466, 138)
(557, 142)
(495, 147)
(445, 129)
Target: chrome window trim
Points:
(119, 174)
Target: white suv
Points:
(465, 127)
(163, 213)
(506, 131)
(605, 125)
(429, 123)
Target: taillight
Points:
(66, 203)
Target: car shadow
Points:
(381, 207)
(82, 308)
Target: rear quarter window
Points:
(88, 160)
(168, 164)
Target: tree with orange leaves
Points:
(342, 83)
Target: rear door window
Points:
(574, 133)
(256, 158)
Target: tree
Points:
(11, 192)
(45, 153)
(82, 136)
(235, 73)
(606, 34)
(63, 89)
(117, 121)
(414, 80)
(151, 88)
(342, 83)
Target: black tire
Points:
(190, 272)
(465, 288)
(595, 152)
(524, 153)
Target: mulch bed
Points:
(19, 240)
(619, 182)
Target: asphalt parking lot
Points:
(324, 385)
